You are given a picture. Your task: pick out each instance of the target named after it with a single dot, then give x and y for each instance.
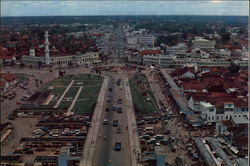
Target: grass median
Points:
(143, 99)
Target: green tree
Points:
(225, 37)
(234, 68)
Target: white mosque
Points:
(59, 61)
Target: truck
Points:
(118, 146)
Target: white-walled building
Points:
(59, 61)
(201, 43)
(146, 41)
(209, 113)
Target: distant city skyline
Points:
(85, 8)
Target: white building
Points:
(210, 114)
(146, 41)
(60, 61)
(131, 40)
(201, 43)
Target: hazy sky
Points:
(167, 7)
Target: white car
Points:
(105, 121)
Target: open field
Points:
(85, 106)
(89, 92)
(85, 102)
(71, 92)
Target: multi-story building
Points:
(205, 44)
(146, 41)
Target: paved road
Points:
(90, 144)
(104, 152)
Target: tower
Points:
(32, 52)
(46, 51)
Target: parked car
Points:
(108, 100)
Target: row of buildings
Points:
(213, 96)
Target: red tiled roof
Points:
(96, 34)
(2, 83)
(3, 50)
(231, 47)
(6, 57)
(193, 85)
(8, 76)
(228, 124)
(179, 72)
(133, 50)
(240, 103)
(146, 52)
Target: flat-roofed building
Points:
(201, 43)
(146, 41)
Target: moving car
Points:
(118, 146)
(119, 101)
(105, 121)
(115, 123)
(119, 110)
(119, 130)
(114, 108)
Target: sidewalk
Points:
(135, 149)
(74, 101)
(64, 93)
(90, 143)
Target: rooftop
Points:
(207, 105)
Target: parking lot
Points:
(39, 133)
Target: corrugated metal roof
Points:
(205, 153)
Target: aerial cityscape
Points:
(124, 89)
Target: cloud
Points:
(61, 7)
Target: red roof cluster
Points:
(96, 35)
(149, 52)
(231, 47)
(193, 85)
(179, 72)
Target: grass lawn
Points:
(71, 92)
(82, 77)
(59, 83)
(64, 104)
(141, 104)
(90, 92)
(52, 103)
(87, 82)
(58, 91)
(85, 107)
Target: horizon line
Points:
(124, 15)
